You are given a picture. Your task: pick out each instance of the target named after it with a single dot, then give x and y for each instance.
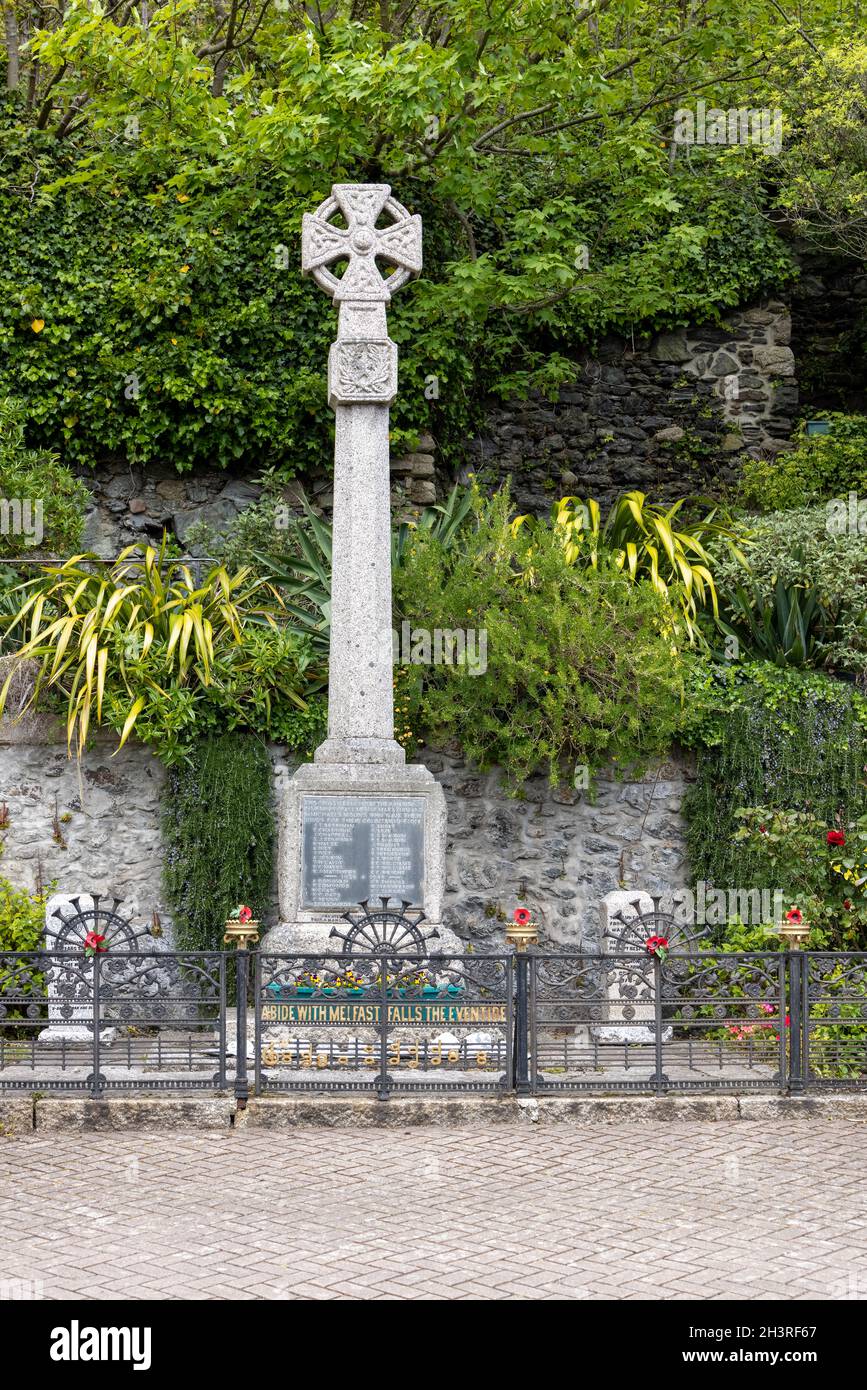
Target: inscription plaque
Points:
(359, 847)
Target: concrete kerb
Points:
(22, 1114)
(17, 1115)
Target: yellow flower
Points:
(184, 269)
(37, 325)
(183, 198)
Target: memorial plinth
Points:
(358, 822)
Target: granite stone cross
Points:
(362, 383)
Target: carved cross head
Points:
(361, 242)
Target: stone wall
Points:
(129, 505)
(556, 852)
(669, 415)
(829, 334)
(97, 829)
(90, 829)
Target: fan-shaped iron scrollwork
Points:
(74, 926)
(631, 933)
(399, 933)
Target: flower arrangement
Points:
(657, 946)
(311, 979)
(524, 932)
(409, 979)
(348, 980)
(241, 927)
(94, 944)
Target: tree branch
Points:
(13, 49)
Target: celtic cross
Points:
(362, 383)
(362, 365)
(361, 241)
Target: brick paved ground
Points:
(683, 1210)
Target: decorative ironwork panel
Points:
(630, 1021)
(834, 1019)
(119, 1021)
(386, 1022)
(101, 918)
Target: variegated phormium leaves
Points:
(138, 630)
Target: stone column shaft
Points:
(361, 706)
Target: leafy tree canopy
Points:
(156, 164)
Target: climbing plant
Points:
(218, 832)
(772, 738)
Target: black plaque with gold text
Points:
(361, 846)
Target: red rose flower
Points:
(836, 837)
(93, 943)
(795, 914)
(522, 916)
(763, 830)
(847, 904)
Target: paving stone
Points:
(509, 1213)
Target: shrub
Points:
(22, 918)
(22, 927)
(34, 476)
(822, 466)
(796, 550)
(794, 851)
(578, 670)
(218, 833)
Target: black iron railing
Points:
(387, 1023)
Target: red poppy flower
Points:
(836, 837)
(522, 916)
(795, 914)
(245, 914)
